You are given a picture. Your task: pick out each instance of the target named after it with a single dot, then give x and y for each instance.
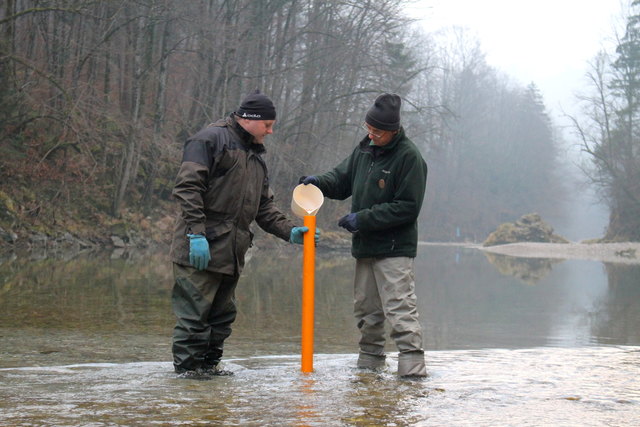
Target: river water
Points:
(85, 341)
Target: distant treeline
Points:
(97, 98)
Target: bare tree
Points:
(610, 132)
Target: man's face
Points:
(377, 136)
(258, 128)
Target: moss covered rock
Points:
(529, 228)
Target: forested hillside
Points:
(97, 98)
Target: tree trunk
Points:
(129, 163)
(158, 119)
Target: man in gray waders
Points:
(386, 178)
(222, 187)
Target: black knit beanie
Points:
(256, 106)
(385, 113)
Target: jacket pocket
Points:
(216, 231)
(221, 244)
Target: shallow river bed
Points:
(86, 342)
(541, 386)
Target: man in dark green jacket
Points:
(386, 178)
(222, 187)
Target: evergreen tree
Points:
(618, 156)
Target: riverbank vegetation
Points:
(97, 98)
(610, 127)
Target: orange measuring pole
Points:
(308, 284)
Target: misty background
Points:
(97, 98)
(546, 45)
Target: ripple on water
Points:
(541, 386)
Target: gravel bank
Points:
(624, 253)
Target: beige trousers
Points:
(384, 288)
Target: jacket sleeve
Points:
(191, 184)
(407, 200)
(270, 218)
(336, 184)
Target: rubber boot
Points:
(212, 362)
(412, 365)
(370, 361)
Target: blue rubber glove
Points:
(199, 255)
(349, 222)
(297, 232)
(308, 180)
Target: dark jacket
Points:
(222, 187)
(387, 185)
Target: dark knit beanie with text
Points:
(256, 106)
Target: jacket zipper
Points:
(371, 167)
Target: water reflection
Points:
(307, 409)
(597, 302)
(529, 270)
(469, 302)
(620, 315)
(87, 340)
(116, 310)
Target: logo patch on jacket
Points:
(381, 182)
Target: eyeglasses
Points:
(370, 130)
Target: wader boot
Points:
(371, 361)
(212, 362)
(384, 289)
(204, 305)
(411, 365)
